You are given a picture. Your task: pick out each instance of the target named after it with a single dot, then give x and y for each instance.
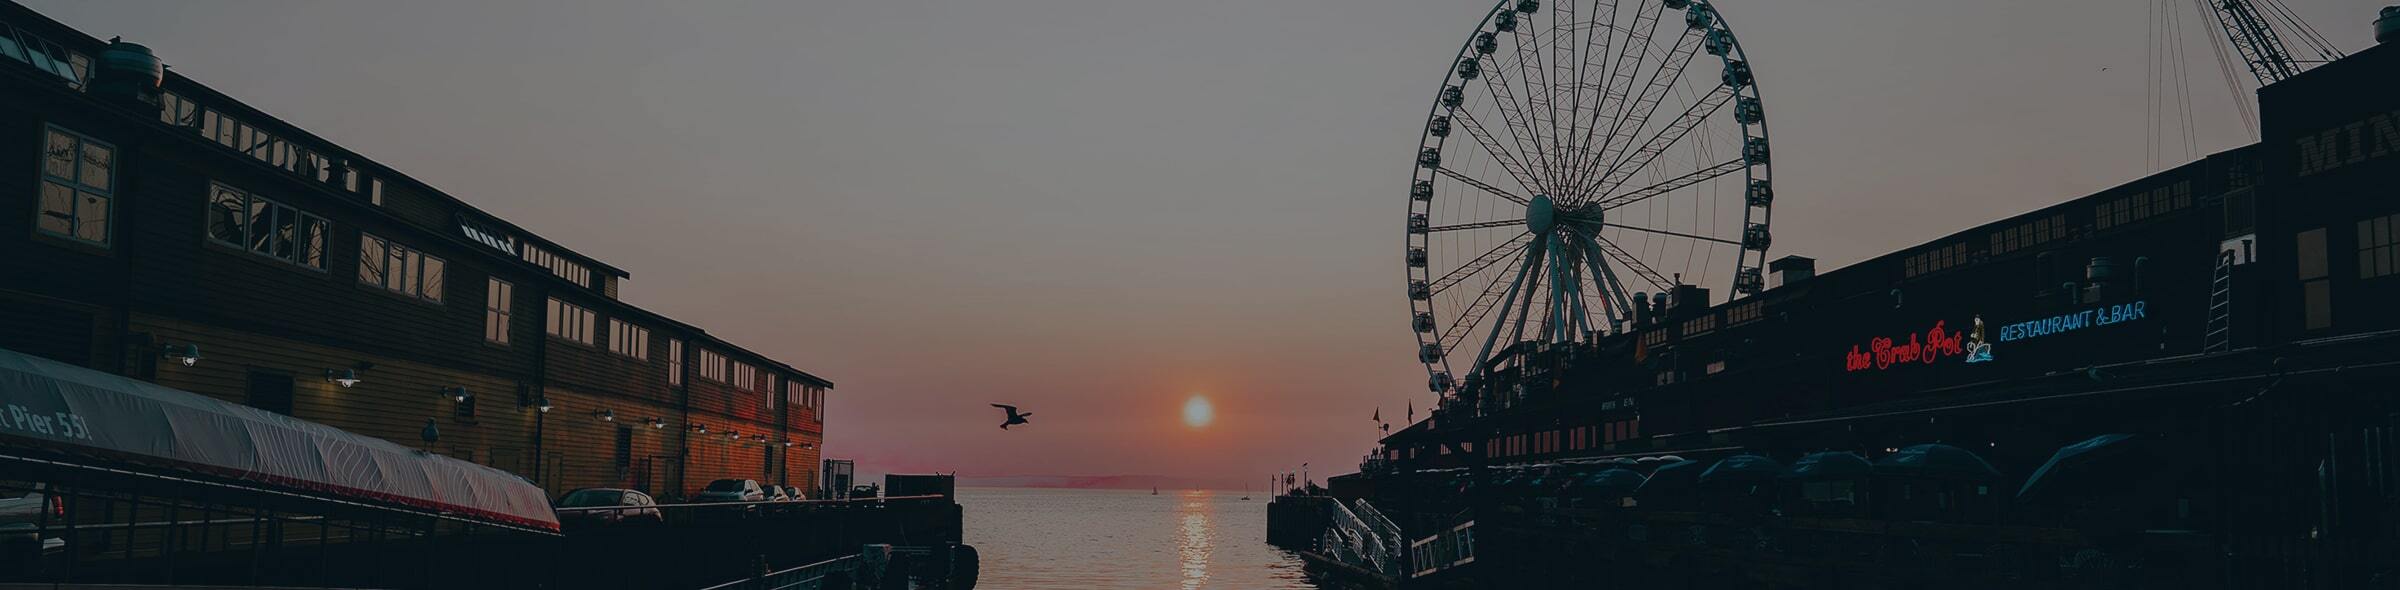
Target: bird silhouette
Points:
(1013, 416)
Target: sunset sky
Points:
(1098, 209)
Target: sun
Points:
(1197, 412)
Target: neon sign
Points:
(2069, 322)
(1884, 353)
(1942, 342)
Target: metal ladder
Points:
(2220, 307)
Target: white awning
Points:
(56, 406)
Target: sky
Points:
(1098, 209)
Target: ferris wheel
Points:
(1593, 165)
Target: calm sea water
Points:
(1035, 539)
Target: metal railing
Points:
(807, 577)
(847, 502)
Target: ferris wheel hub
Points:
(1539, 214)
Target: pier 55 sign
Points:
(1941, 342)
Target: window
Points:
(77, 187)
(770, 392)
(240, 219)
(569, 322)
(674, 362)
(2377, 254)
(2316, 293)
(745, 377)
(712, 365)
(628, 339)
(50, 57)
(496, 298)
(375, 191)
(399, 269)
(565, 269)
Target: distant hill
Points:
(1098, 482)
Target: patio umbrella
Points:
(1829, 465)
(2093, 456)
(1938, 461)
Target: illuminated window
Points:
(78, 185)
(2377, 254)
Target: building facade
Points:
(159, 224)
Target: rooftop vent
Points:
(2387, 25)
(128, 72)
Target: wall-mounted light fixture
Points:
(458, 394)
(606, 415)
(733, 435)
(188, 354)
(700, 428)
(346, 378)
(808, 445)
(658, 423)
(541, 404)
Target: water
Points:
(1035, 539)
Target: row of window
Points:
(258, 143)
(245, 220)
(24, 46)
(2034, 232)
(801, 395)
(2142, 205)
(745, 377)
(628, 339)
(1937, 259)
(1745, 313)
(571, 322)
(399, 269)
(565, 269)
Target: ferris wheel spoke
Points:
(1672, 184)
(1634, 116)
(1612, 291)
(1633, 163)
(1524, 266)
(1473, 267)
(1519, 132)
(1507, 160)
(1590, 71)
(1639, 268)
(1620, 76)
(1483, 304)
(1672, 233)
(1475, 225)
(1537, 102)
(1487, 187)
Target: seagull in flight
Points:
(1013, 417)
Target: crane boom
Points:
(2260, 47)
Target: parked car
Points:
(794, 492)
(775, 493)
(24, 509)
(731, 490)
(592, 507)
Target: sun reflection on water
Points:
(1198, 537)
